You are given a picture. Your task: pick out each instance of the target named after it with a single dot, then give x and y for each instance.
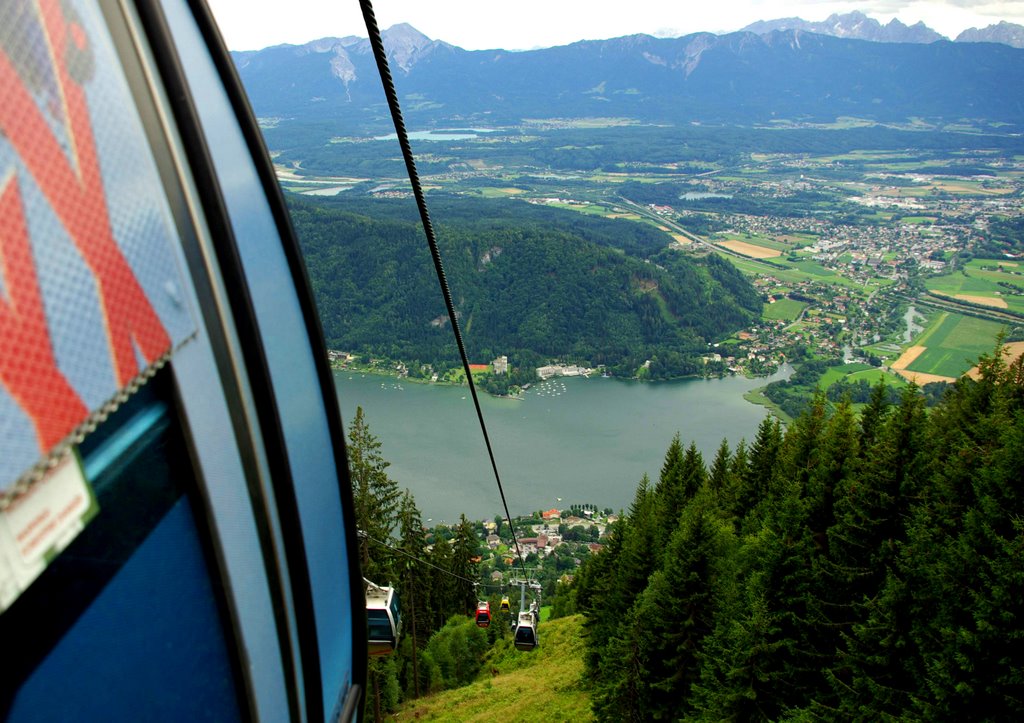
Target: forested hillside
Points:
(530, 286)
(846, 569)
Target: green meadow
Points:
(953, 344)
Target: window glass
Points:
(127, 618)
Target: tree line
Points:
(434, 571)
(684, 149)
(847, 568)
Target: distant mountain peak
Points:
(405, 45)
(1006, 33)
(854, 25)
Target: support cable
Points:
(421, 561)
(377, 43)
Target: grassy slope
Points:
(541, 685)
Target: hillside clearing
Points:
(543, 685)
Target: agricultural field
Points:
(745, 248)
(951, 345)
(783, 310)
(491, 192)
(853, 373)
(980, 283)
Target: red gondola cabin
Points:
(483, 614)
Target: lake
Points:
(699, 195)
(582, 440)
(443, 134)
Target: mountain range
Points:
(736, 78)
(858, 26)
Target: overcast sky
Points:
(526, 24)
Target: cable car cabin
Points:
(526, 632)
(177, 532)
(483, 614)
(383, 619)
(506, 607)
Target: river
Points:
(913, 328)
(582, 440)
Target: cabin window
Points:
(379, 625)
(129, 613)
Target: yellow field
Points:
(680, 239)
(907, 358)
(984, 300)
(920, 378)
(751, 250)
(1011, 352)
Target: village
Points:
(844, 276)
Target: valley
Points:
(838, 240)
(838, 212)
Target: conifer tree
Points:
(375, 495)
(760, 663)
(873, 415)
(718, 475)
(443, 595)
(963, 556)
(463, 565)
(757, 480)
(877, 663)
(676, 609)
(669, 493)
(416, 603)
(682, 475)
(734, 495)
(620, 690)
(619, 579)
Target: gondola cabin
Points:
(177, 530)
(383, 619)
(505, 606)
(526, 632)
(483, 614)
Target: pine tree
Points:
(873, 415)
(676, 609)
(669, 493)
(682, 475)
(375, 495)
(619, 575)
(757, 482)
(443, 595)
(416, 603)
(963, 553)
(800, 451)
(718, 476)
(464, 566)
(878, 666)
(760, 663)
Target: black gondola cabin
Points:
(526, 632)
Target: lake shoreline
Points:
(566, 438)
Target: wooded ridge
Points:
(533, 284)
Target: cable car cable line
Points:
(413, 557)
(424, 562)
(377, 43)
